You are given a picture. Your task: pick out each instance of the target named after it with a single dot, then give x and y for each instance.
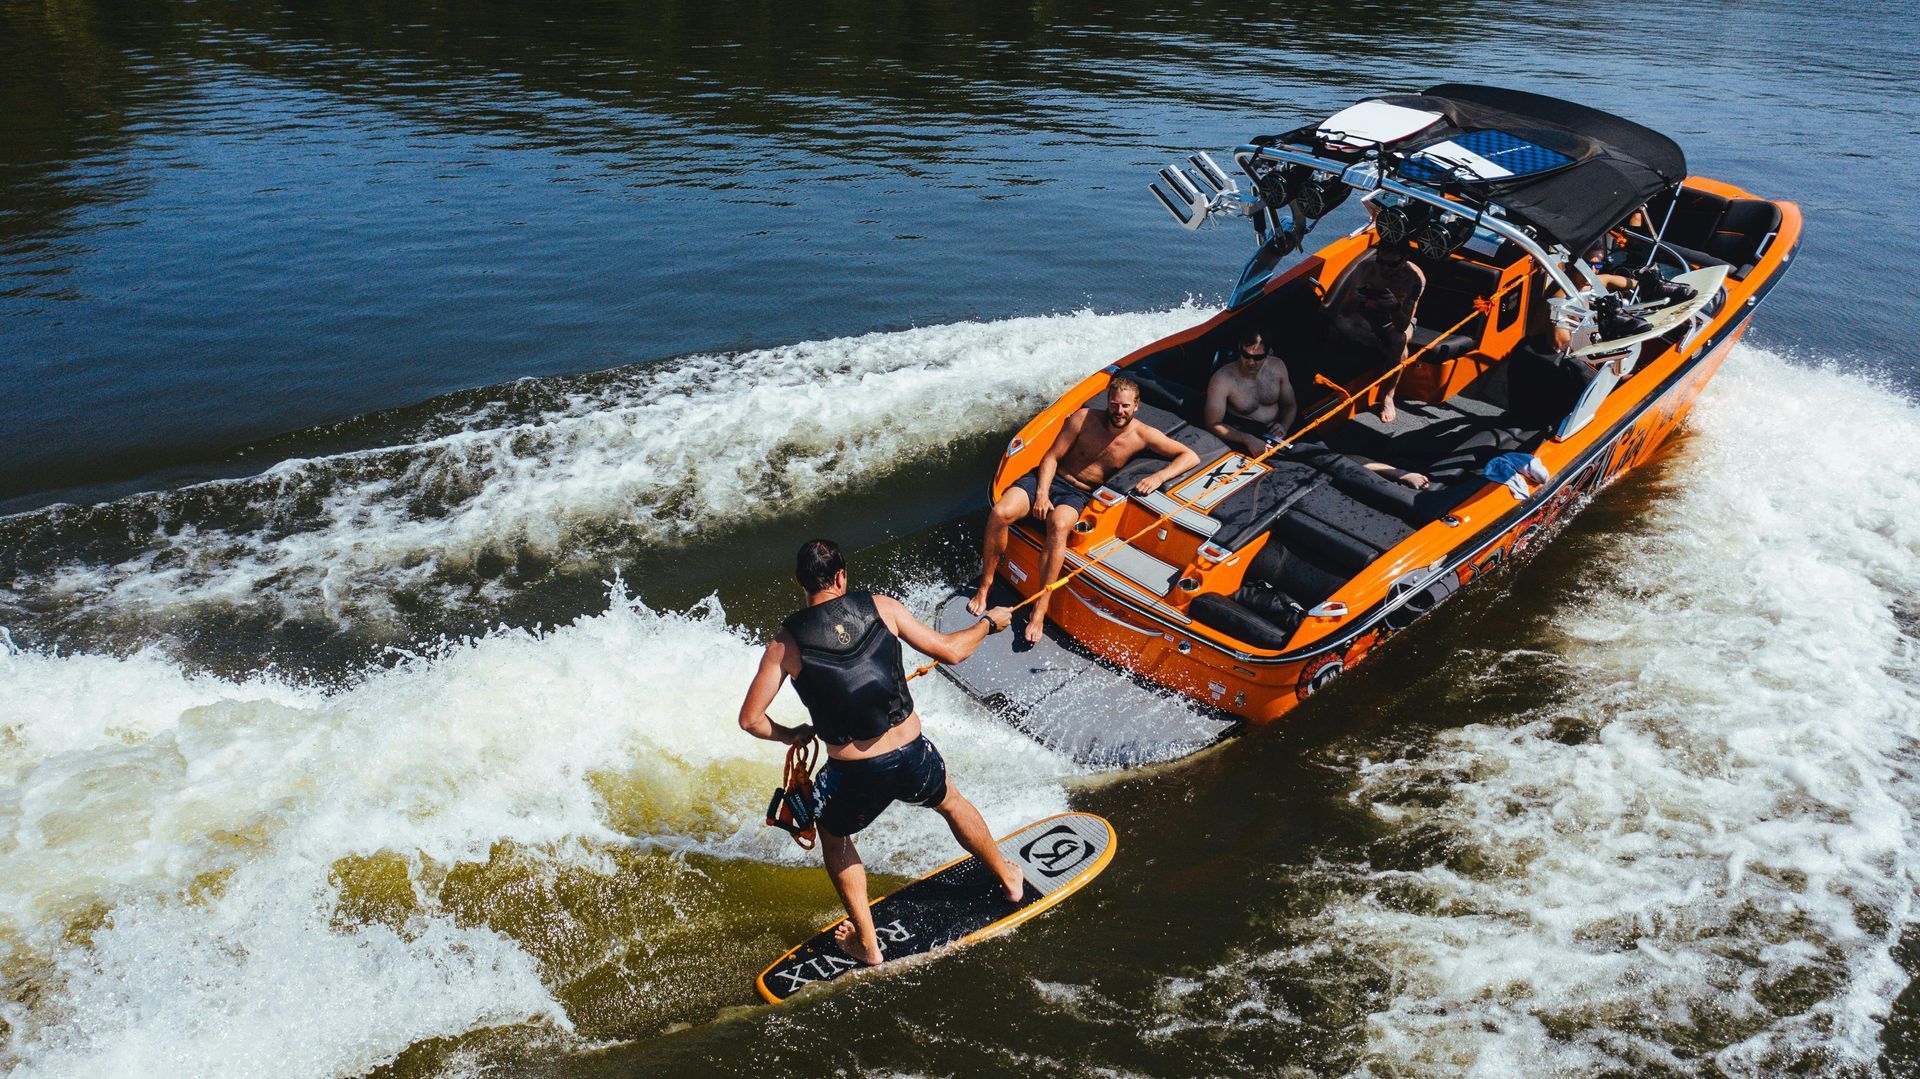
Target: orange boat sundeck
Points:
(1580, 290)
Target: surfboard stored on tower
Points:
(959, 903)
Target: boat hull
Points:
(1155, 640)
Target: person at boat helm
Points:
(1091, 447)
(1379, 308)
(842, 651)
(1250, 400)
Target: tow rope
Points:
(791, 808)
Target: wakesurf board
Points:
(959, 903)
(1706, 284)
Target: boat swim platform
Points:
(1070, 701)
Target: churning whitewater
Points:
(1703, 847)
(1699, 848)
(654, 452)
(184, 858)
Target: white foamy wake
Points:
(658, 452)
(169, 843)
(1722, 869)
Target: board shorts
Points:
(850, 794)
(1062, 492)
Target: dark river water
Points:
(410, 412)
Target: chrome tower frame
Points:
(1367, 175)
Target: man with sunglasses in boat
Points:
(1250, 400)
(1091, 447)
(842, 651)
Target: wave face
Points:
(548, 472)
(1701, 855)
(242, 878)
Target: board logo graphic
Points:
(825, 967)
(1056, 850)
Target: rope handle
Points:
(791, 809)
(801, 759)
(1246, 464)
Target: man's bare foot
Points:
(978, 604)
(1414, 480)
(1013, 881)
(847, 935)
(1388, 413)
(1037, 623)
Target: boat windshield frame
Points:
(1368, 175)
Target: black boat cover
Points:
(1610, 165)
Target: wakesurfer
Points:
(842, 651)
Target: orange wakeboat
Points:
(1580, 290)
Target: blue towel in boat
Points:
(1516, 470)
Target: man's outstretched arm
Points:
(945, 647)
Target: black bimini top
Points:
(1571, 172)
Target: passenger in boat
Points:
(842, 651)
(1250, 401)
(1091, 447)
(1379, 308)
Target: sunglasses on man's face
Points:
(1245, 355)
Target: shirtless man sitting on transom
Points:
(1092, 446)
(1250, 401)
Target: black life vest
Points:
(851, 678)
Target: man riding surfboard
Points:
(842, 651)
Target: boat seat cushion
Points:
(1327, 504)
(1161, 393)
(1743, 232)
(1454, 285)
(1696, 214)
(1324, 544)
(1183, 369)
(1375, 491)
(1292, 573)
(1698, 259)
(1253, 509)
(1469, 455)
(1542, 385)
(1440, 349)
(1236, 620)
(1199, 440)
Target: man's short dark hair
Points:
(819, 563)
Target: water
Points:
(410, 416)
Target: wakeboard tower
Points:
(1251, 582)
(959, 903)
